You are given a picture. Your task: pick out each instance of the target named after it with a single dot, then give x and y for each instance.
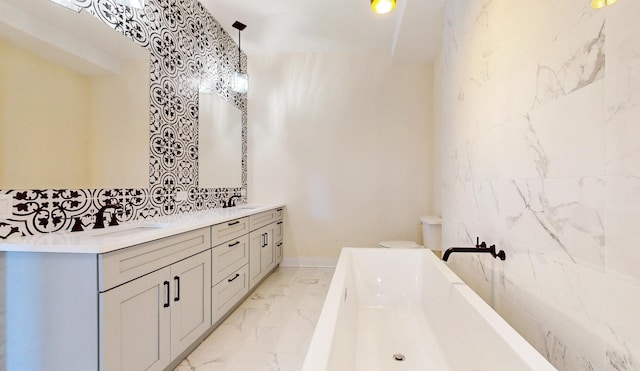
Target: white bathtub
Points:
(382, 302)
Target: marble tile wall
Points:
(541, 111)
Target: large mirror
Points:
(219, 143)
(74, 101)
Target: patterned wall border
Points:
(186, 44)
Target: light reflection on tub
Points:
(384, 302)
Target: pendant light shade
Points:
(138, 4)
(597, 4)
(240, 80)
(383, 6)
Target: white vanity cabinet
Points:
(261, 254)
(278, 239)
(230, 270)
(151, 320)
(132, 306)
(136, 326)
(147, 322)
(263, 244)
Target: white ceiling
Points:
(412, 32)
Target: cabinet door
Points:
(134, 326)
(256, 242)
(267, 253)
(190, 301)
(278, 252)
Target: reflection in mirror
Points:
(74, 101)
(219, 143)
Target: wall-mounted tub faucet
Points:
(480, 248)
(100, 216)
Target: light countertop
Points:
(100, 241)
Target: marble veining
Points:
(579, 70)
(540, 109)
(271, 329)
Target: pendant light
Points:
(240, 81)
(383, 6)
(597, 4)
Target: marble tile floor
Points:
(271, 330)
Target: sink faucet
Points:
(231, 202)
(480, 248)
(100, 216)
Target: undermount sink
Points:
(129, 230)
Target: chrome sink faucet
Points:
(100, 216)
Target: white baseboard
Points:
(309, 262)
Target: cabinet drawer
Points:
(279, 213)
(278, 231)
(229, 257)
(118, 267)
(229, 292)
(224, 232)
(260, 220)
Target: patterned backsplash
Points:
(184, 42)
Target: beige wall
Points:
(97, 126)
(119, 135)
(35, 158)
(345, 140)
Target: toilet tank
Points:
(431, 232)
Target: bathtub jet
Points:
(479, 248)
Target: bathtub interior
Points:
(385, 301)
(482, 340)
(381, 313)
